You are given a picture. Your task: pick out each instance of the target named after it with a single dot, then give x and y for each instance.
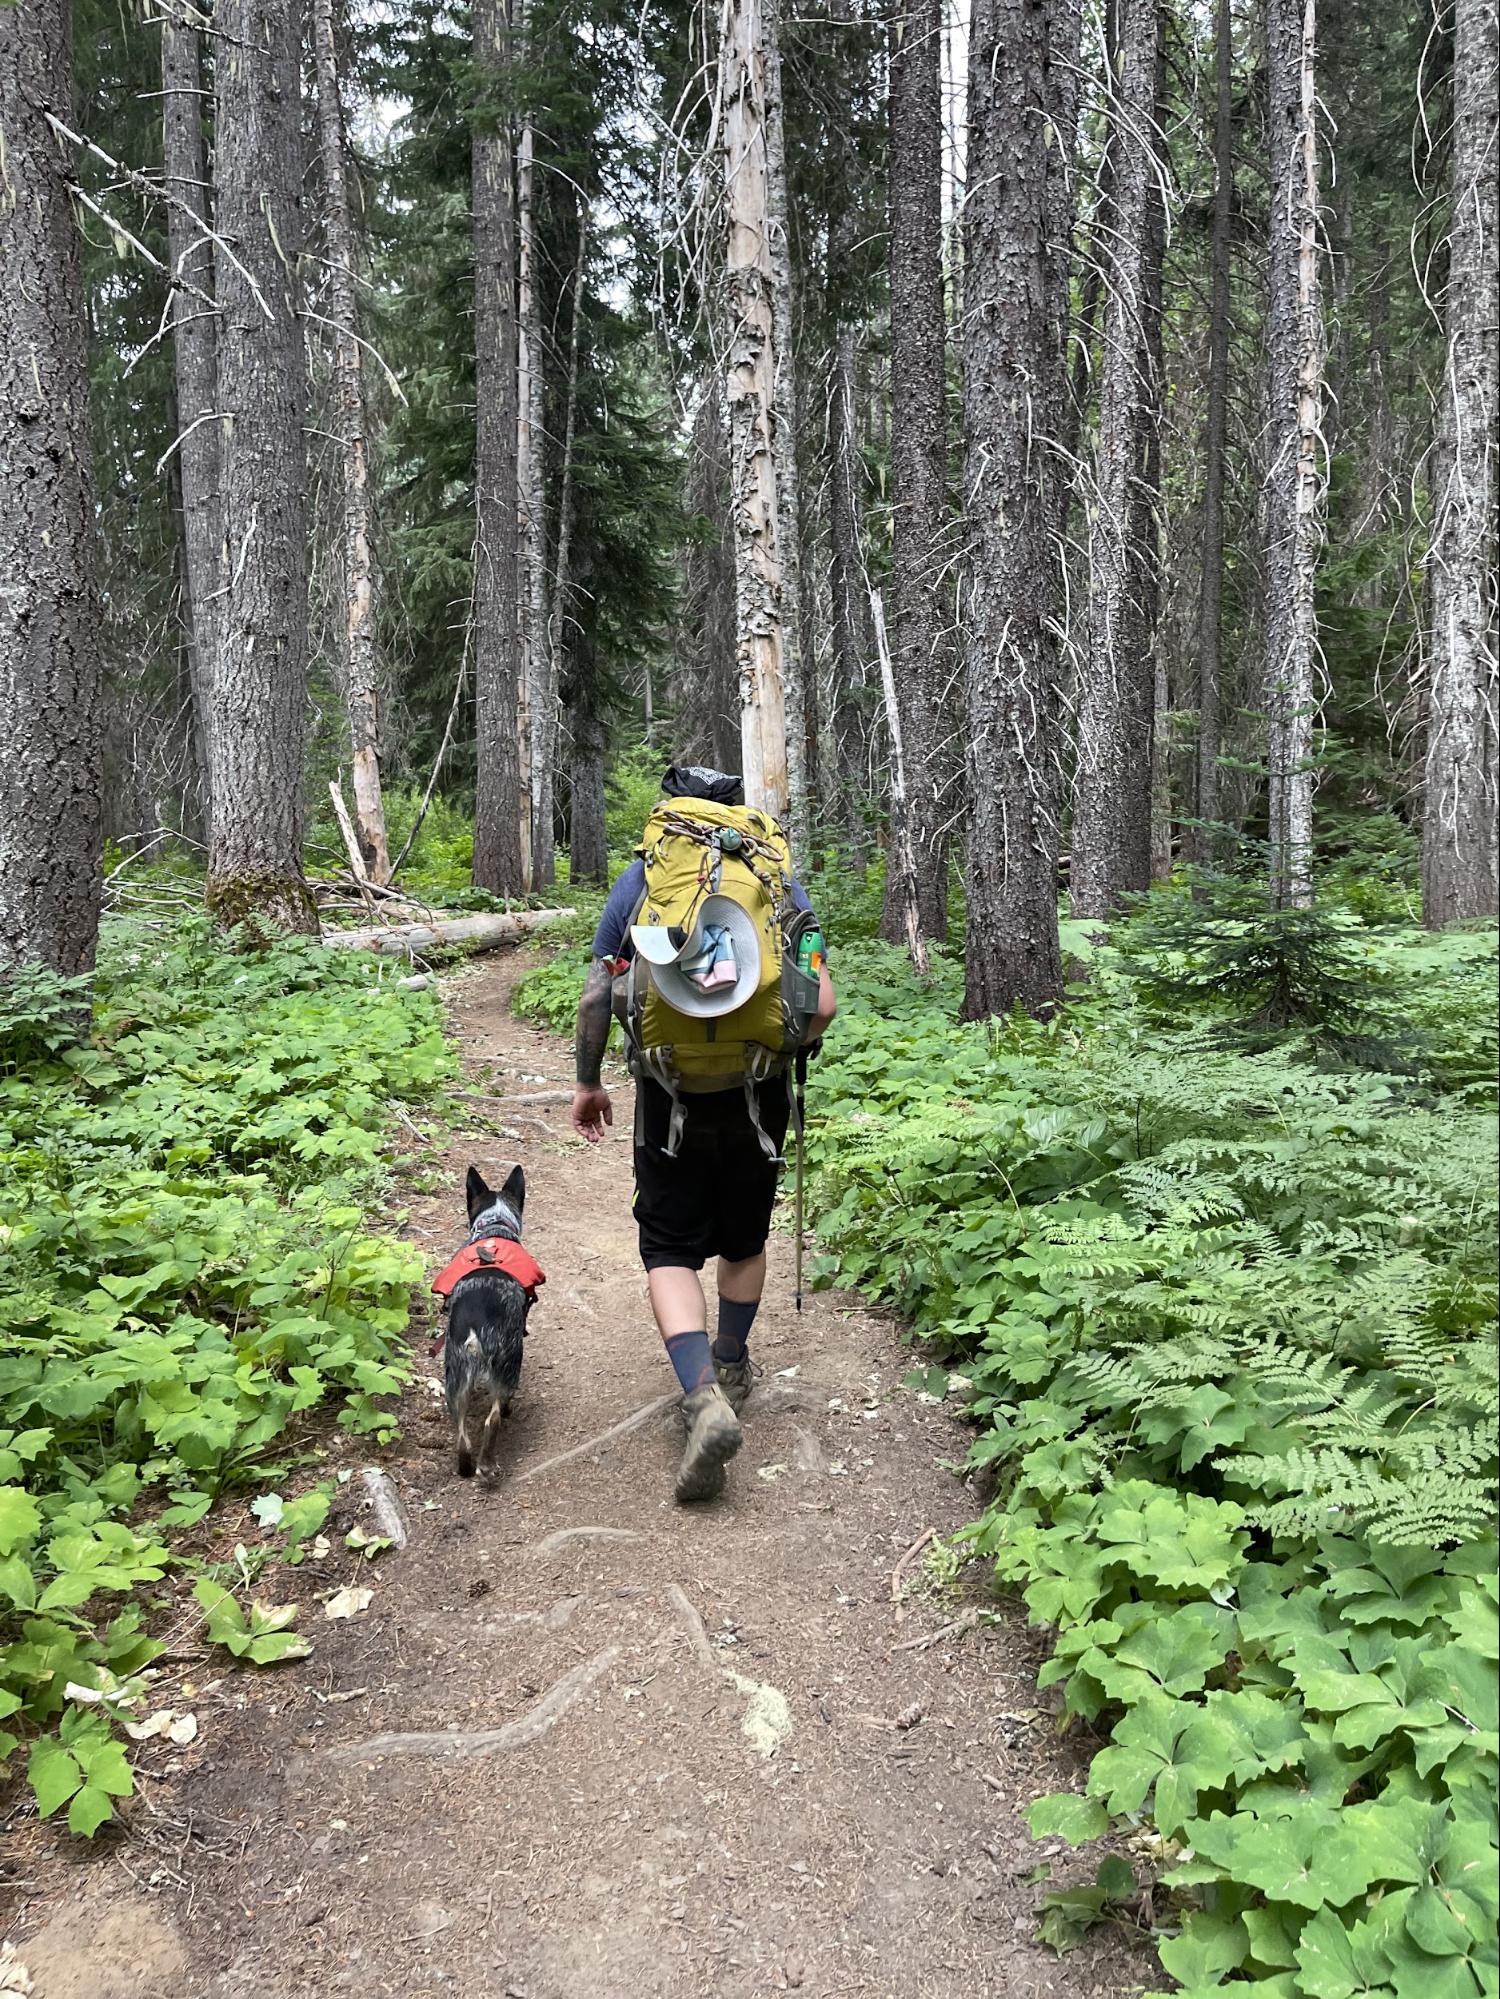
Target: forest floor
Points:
(725, 1760)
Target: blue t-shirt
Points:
(612, 938)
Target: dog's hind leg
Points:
(489, 1443)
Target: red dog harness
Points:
(491, 1253)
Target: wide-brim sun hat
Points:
(655, 945)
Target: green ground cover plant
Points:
(186, 1268)
(1223, 1291)
(1228, 1324)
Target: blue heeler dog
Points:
(490, 1287)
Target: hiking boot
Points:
(736, 1378)
(713, 1437)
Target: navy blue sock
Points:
(691, 1359)
(735, 1321)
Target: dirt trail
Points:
(630, 1749)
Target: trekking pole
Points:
(800, 1101)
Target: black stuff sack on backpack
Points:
(698, 781)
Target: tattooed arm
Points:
(591, 1111)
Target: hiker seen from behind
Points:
(710, 956)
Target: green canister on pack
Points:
(810, 952)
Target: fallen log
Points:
(445, 933)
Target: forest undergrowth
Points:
(189, 1270)
(1214, 1254)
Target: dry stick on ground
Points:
(927, 1534)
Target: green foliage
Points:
(186, 1272)
(1228, 1319)
(1218, 949)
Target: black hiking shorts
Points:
(715, 1198)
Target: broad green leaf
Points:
(1206, 1948)
(20, 1517)
(89, 1810)
(52, 1773)
(1064, 1815)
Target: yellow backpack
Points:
(714, 869)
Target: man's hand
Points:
(591, 1111)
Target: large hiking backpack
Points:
(727, 866)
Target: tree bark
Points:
(1295, 484)
(545, 712)
(359, 631)
(260, 685)
(848, 596)
(499, 864)
(1203, 841)
(1111, 845)
(1022, 103)
(799, 690)
(530, 403)
(1460, 779)
(474, 933)
(751, 379)
(196, 374)
(51, 771)
(916, 899)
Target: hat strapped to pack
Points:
(717, 900)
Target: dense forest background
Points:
(1051, 451)
(1165, 485)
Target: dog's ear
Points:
(477, 1193)
(514, 1190)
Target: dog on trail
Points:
(489, 1289)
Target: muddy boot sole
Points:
(714, 1435)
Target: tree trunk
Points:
(359, 651)
(799, 689)
(916, 899)
(751, 379)
(1460, 789)
(499, 864)
(260, 686)
(848, 597)
(1203, 839)
(1022, 131)
(705, 695)
(1294, 494)
(531, 489)
(1111, 845)
(544, 713)
(51, 772)
(196, 374)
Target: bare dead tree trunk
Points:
(51, 770)
(499, 864)
(751, 381)
(916, 900)
(531, 485)
(1202, 841)
(1460, 778)
(260, 686)
(359, 660)
(705, 693)
(196, 373)
(545, 712)
(1111, 848)
(1294, 494)
(1017, 225)
(798, 687)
